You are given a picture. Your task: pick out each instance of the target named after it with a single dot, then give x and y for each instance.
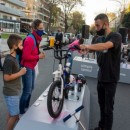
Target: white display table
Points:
(89, 67)
(37, 117)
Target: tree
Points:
(52, 4)
(92, 29)
(77, 21)
(128, 9)
(67, 6)
(55, 13)
(126, 20)
(122, 10)
(111, 16)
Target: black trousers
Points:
(106, 95)
(58, 46)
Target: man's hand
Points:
(84, 50)
(42, 55)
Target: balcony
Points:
(18, 3)
(12, 11)
(43, 14)
(42, 7)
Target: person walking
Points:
(108, 59)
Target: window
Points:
(5, 17)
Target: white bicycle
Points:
(61, 82)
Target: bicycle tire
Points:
(52, 113)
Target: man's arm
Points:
(99, 46)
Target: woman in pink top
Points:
(75, 43)
(30, 57)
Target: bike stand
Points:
(73, 95)
(74, 114)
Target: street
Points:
(122, 104)
(4, 47)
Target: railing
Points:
(17, 2)
(12, 11)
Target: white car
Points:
(65, 38)
(70, 36)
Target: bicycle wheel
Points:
(54, 103)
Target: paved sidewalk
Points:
(5, 49)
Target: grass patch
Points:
(6, 35)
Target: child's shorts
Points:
(12, 104)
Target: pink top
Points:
(75, 43)
(30, 54)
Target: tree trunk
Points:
(49, 24)
(66, 23)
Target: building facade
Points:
(10, 13)
(61, 20)
(35, 9)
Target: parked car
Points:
(70, 36)
(65, 39)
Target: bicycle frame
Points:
(59, 75)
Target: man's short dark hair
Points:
(13, 39)
(102, 17)
(36, 23)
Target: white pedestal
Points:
(89, 67)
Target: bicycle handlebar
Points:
(61, 50)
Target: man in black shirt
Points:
(108, 59)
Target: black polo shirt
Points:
(109, 60)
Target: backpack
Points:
(19, 56)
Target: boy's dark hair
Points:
(102, 17)
(81, 41)
(13, 39)
(36, 23)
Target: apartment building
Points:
(10, 13)
(35, 9)
(61, 20)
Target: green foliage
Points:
(68, 6)
(77, 21)
(126, 20)
(55, 13)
